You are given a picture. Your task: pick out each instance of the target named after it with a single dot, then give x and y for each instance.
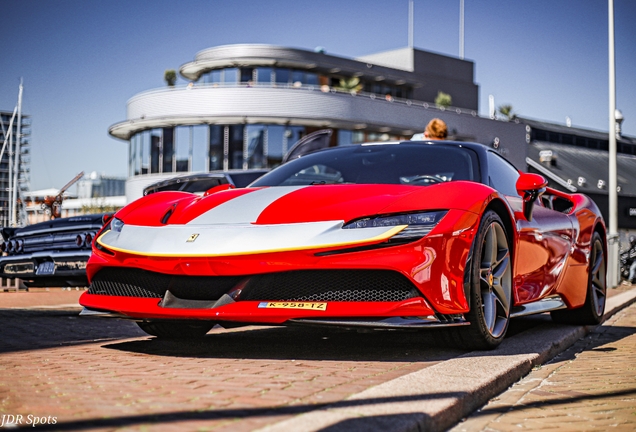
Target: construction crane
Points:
(53, 203)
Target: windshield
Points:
(412, 164)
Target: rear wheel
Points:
(176, 330)
(591, 312)
(491, 288)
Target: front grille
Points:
(302, 285)
(127, 282)
(330, 285)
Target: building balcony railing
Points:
(309, 87)
(201, 103)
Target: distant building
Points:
(246, 105)
(577, 160)
(96, 193)
(98, 185)
(7, 165)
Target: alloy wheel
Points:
(495, 280)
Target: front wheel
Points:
(591, 313)
(490, 287)
(176, 330)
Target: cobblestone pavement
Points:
(101, 374)
(591, 386)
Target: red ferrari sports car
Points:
(402, 235)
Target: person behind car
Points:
(436, 130)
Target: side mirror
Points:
(530, 187)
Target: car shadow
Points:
(312, 343)
(33, 329)
(300, 343)
(28, 329)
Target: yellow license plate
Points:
(293, 305)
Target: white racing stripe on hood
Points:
(243, 209)
(238, 239)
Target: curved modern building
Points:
(246, 105)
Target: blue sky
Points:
(82, 60)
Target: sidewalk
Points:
(53, 298)
(590, 386)
(436, 398)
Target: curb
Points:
(438, 397)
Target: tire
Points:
(490, 288)
(591, 313)
(176, 330)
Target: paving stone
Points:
(108, 375)
(589, 390)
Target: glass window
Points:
(311, 78)
(502, 175)
(137, 143)
(155, 150)
(282, 76)
(213, 77)
(132, 155)
(264, 75)
(345, 137)
(231, 76)
(235, 146)
(215, 148)
(357, 137)
(275, 136)
(145, 152)
(199, 147)
(373, 136)
(183, 136)
(168, 149)
(247, 75)
(256, 140)
(298, 77)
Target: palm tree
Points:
(443, 100)
(507, 112)
(352, 85)
(170, 76)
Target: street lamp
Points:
(618, 115)
(612, 253)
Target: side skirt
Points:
(544, 305)
(388, 323)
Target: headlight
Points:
(419, 224)
(116, 225)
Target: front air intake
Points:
(300, 285)
(330, 285)
(127, 282)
